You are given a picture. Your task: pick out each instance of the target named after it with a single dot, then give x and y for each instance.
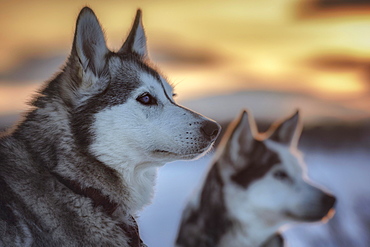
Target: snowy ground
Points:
(346, 174)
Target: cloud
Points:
(185, 55)
(338, 62)
(273, 105)
(31, 69)
(323, 4)
(332, 8)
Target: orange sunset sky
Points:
(206, 48)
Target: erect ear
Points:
(136, 40)
(288, 132)
(89, 42)
(239, 137)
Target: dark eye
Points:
(281, 175)
(147, 99)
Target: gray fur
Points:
(56, 189)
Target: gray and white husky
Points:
(255, 185)
(83, 162)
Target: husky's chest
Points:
(69, 215)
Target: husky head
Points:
(120, 111)
(265, 178)
(123, 110)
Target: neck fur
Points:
(250, 231)
(140, 180)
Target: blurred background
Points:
(269, 56)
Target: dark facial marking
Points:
(156, 76)
(165, 93)
(259, 161)
(211, 215)
(142, 64)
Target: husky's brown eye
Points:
(281, 175)
(147, 99)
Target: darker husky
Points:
(83, 162)
(254, 186)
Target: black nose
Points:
(210, 129)
(328, 201)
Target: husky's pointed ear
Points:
(136, 40)
(239, 137)
(288, 132)
(89, 42)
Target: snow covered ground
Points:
(345, 173)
